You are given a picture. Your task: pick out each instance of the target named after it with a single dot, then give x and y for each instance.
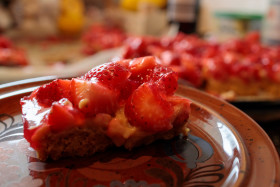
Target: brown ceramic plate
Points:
(225, 148)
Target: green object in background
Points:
(237, 24)
(239, 16)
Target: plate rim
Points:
(218, 105)
(215, 103)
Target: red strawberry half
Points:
(113, 75)
(181, 110)
(62, 116)
(92, 97)
(166, 79)
(142, 68)
(147, 109)
(53, 91)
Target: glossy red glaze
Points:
(142, 86)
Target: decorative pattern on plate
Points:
(11, 168)
(8, 129)
(180, 162)
(238, 144)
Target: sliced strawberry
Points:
(143, 64)
(113, 75)
(142, 68)
(124, 63)
(29, 131)
(166, 79)
(181, 110)
(93, 98)
(64, 88)
(38, 135)
(33, 117)
(170, 58)
(190, 72)
(128, 89)
(51, 92)
(46, 94)
(147, 109)
(63, 116)
(147, 69)
(137, 47)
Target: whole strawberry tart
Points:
(125, 103)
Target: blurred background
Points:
(41, 18)
(55, 33)
(43, 23)
(69, 37)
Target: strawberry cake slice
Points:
(126, 103)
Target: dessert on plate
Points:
(125, 103)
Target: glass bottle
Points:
(184, 13)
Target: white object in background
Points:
(207, 23)
(9, 74)
(148, 20)
(271, 24)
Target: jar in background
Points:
(183, 13)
